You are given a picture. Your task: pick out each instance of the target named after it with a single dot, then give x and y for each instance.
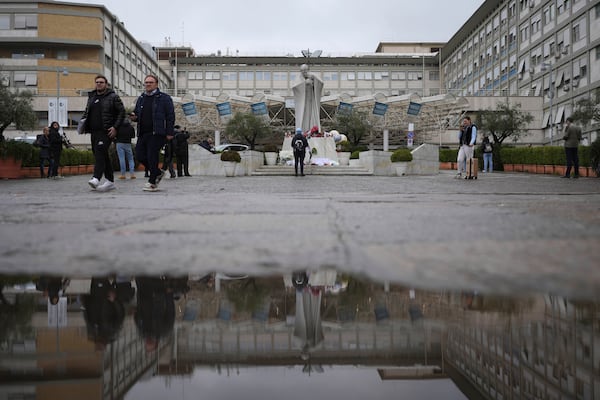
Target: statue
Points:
(307, 98)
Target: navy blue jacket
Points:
(163, 113)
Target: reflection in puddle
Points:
(322, 332)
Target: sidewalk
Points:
(503, 232)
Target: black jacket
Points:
(125, 132)
(113, 111)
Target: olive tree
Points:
(16, 108)
(355, 125)
(504, 122)
(247, 128)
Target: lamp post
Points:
(64, 72)
(546, 66)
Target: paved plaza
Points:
(504, 232)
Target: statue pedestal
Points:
(325, 147)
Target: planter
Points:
(229, 167)
(509, 167)
(31, 172)
(549, 169)
(539, 169)
(354, 162)
(400, 167)
(271, 158)
(10, 168)
(560, 170)
(446, 165)
(344, 157)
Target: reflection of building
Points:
(557, 355)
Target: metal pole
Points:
(551, 98)
(57, 92)
(423, 75)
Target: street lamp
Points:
(545, 67)
(64, 72)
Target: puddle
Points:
(316, 334)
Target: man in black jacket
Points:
(103, 115)
(180, 142)
(299, 145)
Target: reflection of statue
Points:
(307, 98)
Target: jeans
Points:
(125, 153)
(50, 166)
(488, 162)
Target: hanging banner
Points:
(224, 109)
(189, 110)
(413, 108)
(259, 108)
(345, 108)
(380, 108)
(58, 111)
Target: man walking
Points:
(155, 116)
(572, 138)
(103, 115)
(182, 151)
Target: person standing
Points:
(299, 144)
(43, 142)
(487, 148)
(125, 133)
(168, 157)
(181, 151)
(155, 115)
(56, 144)
(104, 114)
(572, 138)
(466, 138)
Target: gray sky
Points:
(276, 27)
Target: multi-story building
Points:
(55, 49)
(547, 48)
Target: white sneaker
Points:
(149, 187)
(106, 186)
(94, 182)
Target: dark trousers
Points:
(55, 156)
(299, 161)
(147, 150)
(572, 160)
(102, 165)
(42, 163)
(183, 160)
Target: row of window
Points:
(18, 21)
(268, 76)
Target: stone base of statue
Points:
(325, 150)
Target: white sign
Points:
(58, 112)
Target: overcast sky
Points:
(280, 27)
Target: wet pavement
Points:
(505, 233)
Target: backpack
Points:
(298, 144)
(488, 148)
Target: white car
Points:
(230, 146)
(26, 139)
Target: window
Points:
(434, 75)
(364, 76)
(348, 76)
(330, 76)
(597, 52)
(562, 6)
(247, 76)
(230, 76)
(4, 21)
(212, 75)
(25, 79)
(263, 76)
(62, 55)
(26, 21)
(280, 76)
(524, 31)
(415, 76)
(549, 14)
(37, 54)
(597, 10)
(576, 33)
(399, 76)
(194, 75)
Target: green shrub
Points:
(354, 155)
(400, 155)
(595, 156)
(584, 153)
(231, 155)
(448, 155)
(16, 149)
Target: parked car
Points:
(26, 139)
(231, 146)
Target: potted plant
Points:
(400, 158)
(270, 154)
(230, 160)
(12, 154)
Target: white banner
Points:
(58, 112)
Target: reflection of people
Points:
(51, 286)
(307, 99)
(104, 114)
(104, 311)
(155, 115)
(155, 313)
(572, 138)
(466, 137)
(299, 144)
(307, 322)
